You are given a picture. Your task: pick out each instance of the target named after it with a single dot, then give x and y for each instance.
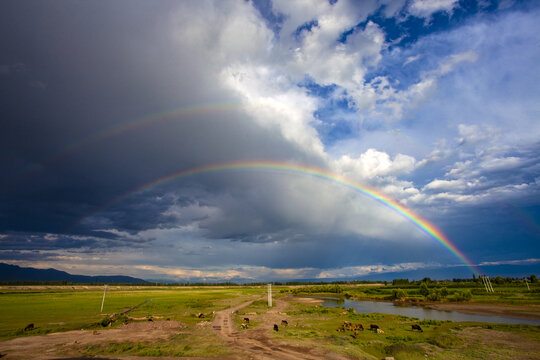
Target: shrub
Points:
(398, 294)
(461, 296)
(424, 290)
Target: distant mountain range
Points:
(17, 273)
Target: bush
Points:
(424, 290)
(461, 296)
(398, 294)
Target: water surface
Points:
(364, 306)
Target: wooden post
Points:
(269, 295)
(103, 301)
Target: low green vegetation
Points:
(507, 291)
(320, 326)
(53, 310)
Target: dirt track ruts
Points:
(257, 343)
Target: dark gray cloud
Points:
(73, 73)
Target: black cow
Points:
(284, 322)
(416, 327)
(29, 327)
(276, 328)
(246, 320)
(373, 327)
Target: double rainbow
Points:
(422, 224)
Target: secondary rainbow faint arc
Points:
(141, 122)
(422, 224)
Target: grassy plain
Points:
(62, 309)
(317, 325)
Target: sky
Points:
(271, 140)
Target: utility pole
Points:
(103, 301)
(269, 295)
(484, 281)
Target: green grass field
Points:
(52, 310)
(61, 309)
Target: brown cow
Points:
(244, 326)
(355, 335)
(359, 327)
(284, 322)
(29, 327)
(416, 327)
(246, 320)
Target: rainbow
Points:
(422, 224)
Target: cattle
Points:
(416, 327)
(341, 329)
(244, 326)
(276, 328)
(355, 334)
(373, 327)
(29, 327)
(346, 323)
(284, 322)
(359, 327)
(200, 315)
(246, 320)
(379, 331)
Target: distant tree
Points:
(424, 290)
(398, 294)
(400, 282)
(498, 280)
(444, 292)
(533, 278)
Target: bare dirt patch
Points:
(49, 346)
(305, 300)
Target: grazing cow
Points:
(355, 335)
(246, 320)
(341, 329)
(359, 327)
(416, 327)
(379, 331)
(373, 327)
(276, 328)
(29, 327)
(346, 323)
(200, 315)
(244, 326)
(284, 322)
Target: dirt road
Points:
(258, 343)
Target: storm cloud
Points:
(103, 102)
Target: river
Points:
(363, 306)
